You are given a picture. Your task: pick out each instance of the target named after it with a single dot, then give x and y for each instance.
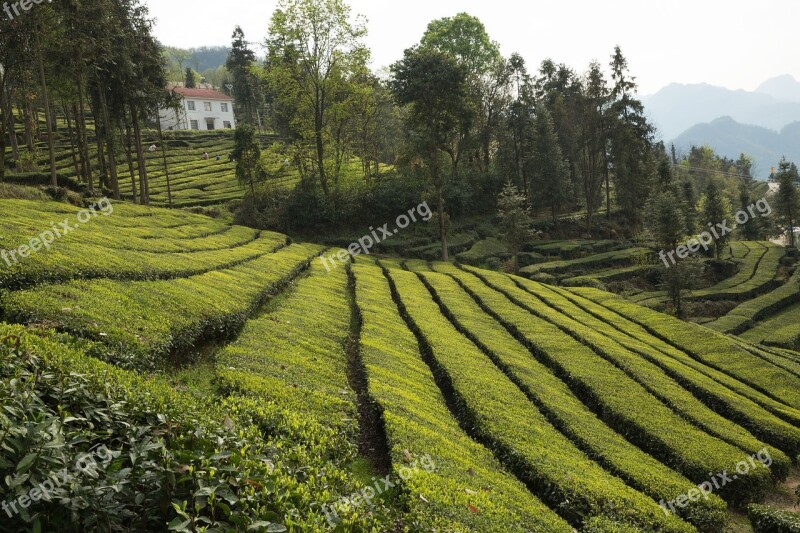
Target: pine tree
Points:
(788, 203)
(716, 209)
(245, 91)
(247, 154)
(515, 221)
(550, 173)
(666, 224)
(752, 230)
(191, 79)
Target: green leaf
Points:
(26, 463)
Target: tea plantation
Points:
(233, 382)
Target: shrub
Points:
(157, 456)
(768, 520)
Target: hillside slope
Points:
(431, 397)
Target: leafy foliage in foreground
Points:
(229, 464)
(767, 520)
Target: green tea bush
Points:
(768, 520)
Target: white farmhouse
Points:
(200, 109)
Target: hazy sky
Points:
(736, 44)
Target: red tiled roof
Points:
(208, 94)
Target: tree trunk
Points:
(109, 135)
(48, 113)
(137, 138)
(101, 158)
(323, 179)
(27, 118)
(78, 139)
(11, 123)
(3, 122)
(164, 158)
(608, 188)
(71, 134)
(81, 122)
(130, 159)
(442, 225)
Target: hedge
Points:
(622, 402)
(711, 348)
(768, 520)
(487, 401)
(228, 463)
(563, 409)
(469, 490)
(142, 323)
(746, 315)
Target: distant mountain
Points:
(678, 107)
(730, 138)
(784, 88)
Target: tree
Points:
(592, 138)
(716, 209)
(247, 154)
(515, 221)
(752, 230)
(241, 62)
(689, 206)
(562, 92)
(190, 78)
(314, 50)
(788, 203)
(433, 85)
(666, 225)
(517, 136)
(631, 142)
(550, 174)
(744, 166)
(464, 38)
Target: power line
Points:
(707, 171)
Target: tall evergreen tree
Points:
(515, 221)
(716, 209)
(240, 64)
(550, 174)
(752, 230)
(247, 154)
(631, 141)
(190, 79)
(592, 134)
(788, 202)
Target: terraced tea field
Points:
(193, 180)
(432, 396)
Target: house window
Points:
(195, 125)
(224, 107)
(226, 124)
(207, 106)
(190, 105)
(210, 124)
